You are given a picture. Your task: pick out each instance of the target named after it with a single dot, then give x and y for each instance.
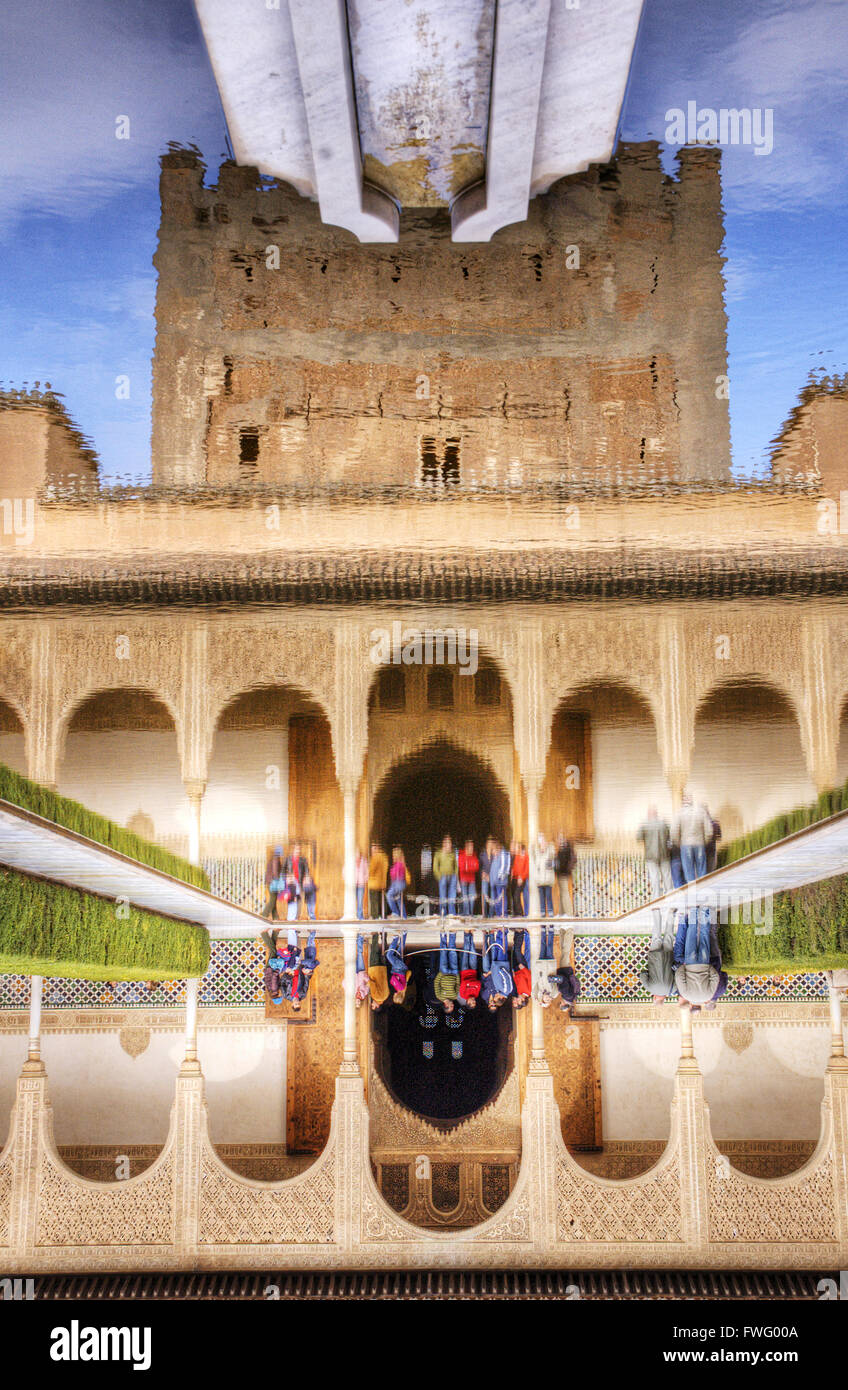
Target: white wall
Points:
(101, 1095)
(772, 1090)
(745, 772)
(119, 774)
(237, 799)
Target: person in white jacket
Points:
(544, 856)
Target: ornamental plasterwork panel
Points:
(495, 1128)
(297, 1211)
(648, 1208)
(242, 656)
(16, 666)
(761, 1209)
(5, 1194)
(74, 1211)
(85, 658)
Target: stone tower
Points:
(583, 346)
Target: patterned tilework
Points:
(608, 967)
(608, 883)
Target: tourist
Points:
(519, 887)
(444, 868)
(656, 842)
(306, 966)
(499, 878)
(273, 881)
(542, 968)
(698, 975)
(378, 974)
(274, 967)
(522, 982)
(363, 983)
(378, 870)
(657, 979)
(543, 868)
(469, 977)
(446, 983)
(309, 890)
(291, 897)
(691, 831)
(564, 862)
(712, 843)
(468, 865)
(564, 979)
(360, 879)
(486, 855)
(396, 963)
(497, 976)
(399, 881)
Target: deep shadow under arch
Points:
(441, 789)
(443, 1088)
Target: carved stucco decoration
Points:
(797, 1207)
(497, 1127)
(647, 1208)
(5, 1195)
(238, 1211)
(737, 1036)
(134, 1040)
(137, 1211)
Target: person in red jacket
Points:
(468, 867)
(519, 890)
(469, 975)
(521, 969)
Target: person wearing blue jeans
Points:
(395, 898)
(394, 955)
(447, 954)
(306, 964)
(497, 976)
(360, 954)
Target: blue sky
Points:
(79, 208)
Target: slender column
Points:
(688, 1060)
(190, 1063)
(194, 791)
(36, 993)
(537, 1037)
(532, 792)
(349, 870)
(838, 1060)
(42, 741)
(819, 711)
(350, 1053)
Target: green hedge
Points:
(827, 805)
(43, 802)
(809, 933)
(48, 929)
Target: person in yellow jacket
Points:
(378, 868)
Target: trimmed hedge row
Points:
(70, 814)
(49, 929)
(827, 805)
(809, 932)
(810, 924)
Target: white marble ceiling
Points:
(379, 104)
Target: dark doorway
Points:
(440, 790)
(443, 1067)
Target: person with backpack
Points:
(656, 841)
(305, 966)
(564, 979)
(497, 976)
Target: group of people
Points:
(289, 880)
(457, 977)
(683, 962)
(498, 878)
(288, 973)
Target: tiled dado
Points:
(608, 967)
